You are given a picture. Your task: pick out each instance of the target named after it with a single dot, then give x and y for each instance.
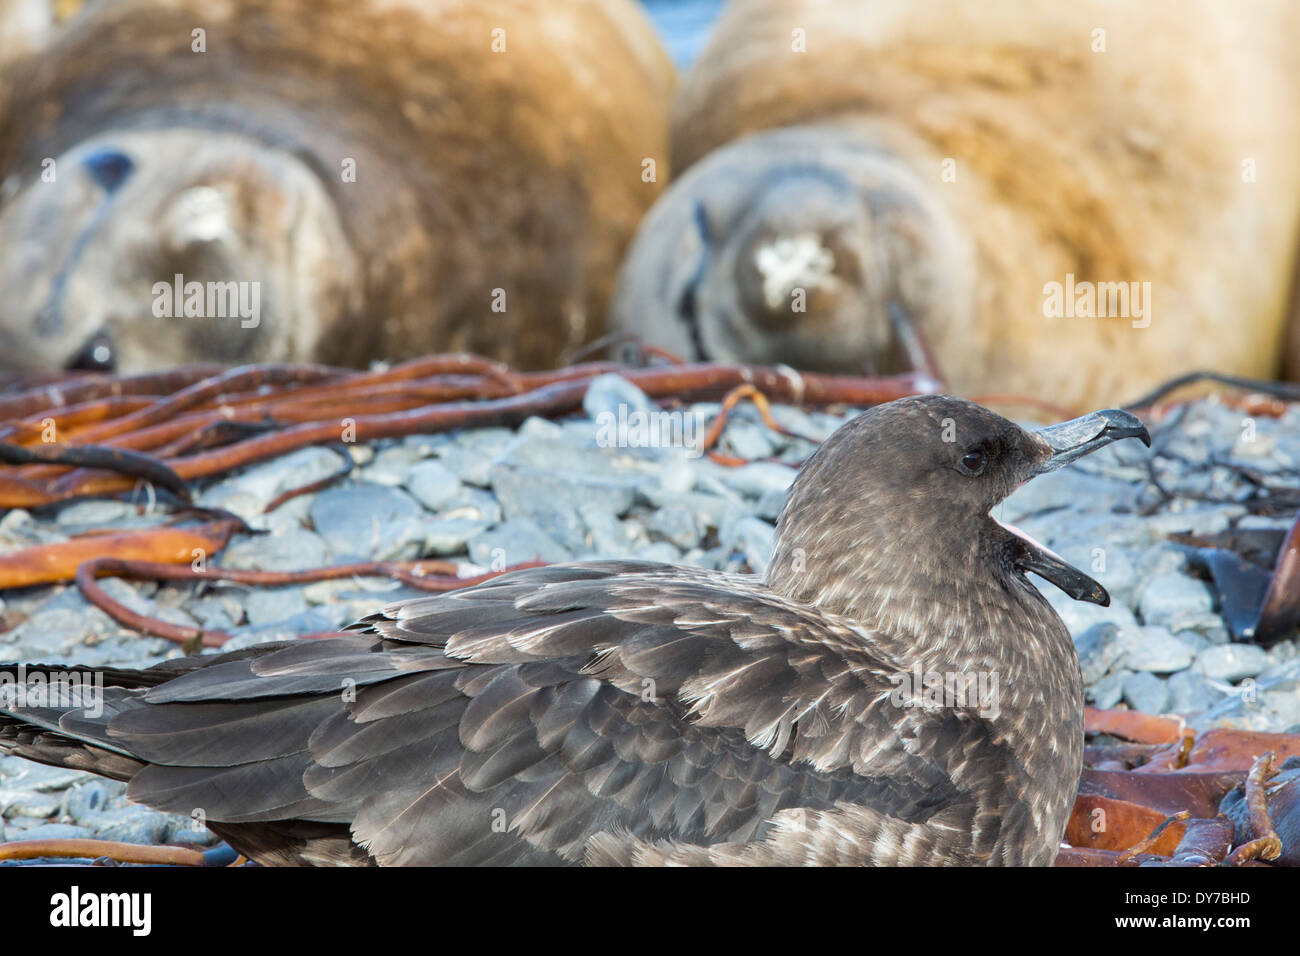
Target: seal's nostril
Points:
(109, 167)
(95, 356)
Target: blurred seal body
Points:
(1069, 201)
(387, 177)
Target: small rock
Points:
(132, 824)
(525, 491)
(1106, 693)
(368, 521)
(449, 535)
(1191, 693)
(391, 465)
(219, 612)
(757, 478)
(612, 397)
(1111, 565)
(264, 606)
(676, 524)
(1146, 692)
(25, 803)
(94, 796)
(1154, 649)
(27, 775)
(1287, 669)
(1170, 597)
(514, 542)
(754, 538)
(59, 631)
(290, 550)
(470, 466)
(610, 537)
(432, 484)
(185, 831)
(1098, 648)
(1062, 488)
(748, 440)
(1078, 616)
(98, 513)
(1232, 662)
(770, 504)
(1195, 520)
(660, 551)
(249, 492)
(58, 831)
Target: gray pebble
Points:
(514, 542)
(529, 491)
(748, 440)
(219, 611)
(675, 523)
(249, 492)
(1211, 519)
(1170, 597)
(470, 466)
(132, 824)
(182, 830)
(1154, 649)
(608, 536)
(756, 478)
(1061, 489)
(660, 551)
(613, 395)
(268, 605)
(1078, 616)
(391, 465)
(432, 484)
(1098, 648)
(291, 550)
(1106, 693)
(57, 831)
(368, 521)
(1146, 692)
(449, 535)
(26, 803)
(1191, 693)
(97, 513)
(770, 504)
(753, 538)
(94, 796)
(1232, 662)
(58, 631)
(1111, 565)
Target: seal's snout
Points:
(1071, 440)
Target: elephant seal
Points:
(325, 180)
(1067, 201)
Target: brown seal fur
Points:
(824, 171)
(476, 171)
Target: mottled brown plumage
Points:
(634, 713)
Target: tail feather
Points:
(74, 733)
